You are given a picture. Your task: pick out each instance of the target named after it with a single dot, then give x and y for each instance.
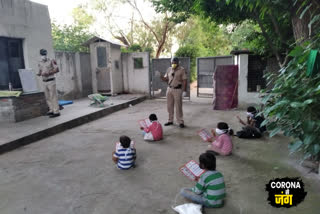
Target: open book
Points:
(145, 123)
(192, 170)
(205, 135)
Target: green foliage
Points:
(199, 37)
(292, 106)
(137, 48)
(209, 38)
(192, 52)
(247, 36)
(71, 37)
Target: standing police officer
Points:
(47, 69)
(177, 85)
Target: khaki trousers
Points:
(174, 98)
(50, 92)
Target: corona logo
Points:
(285, 192)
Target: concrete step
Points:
(37, 133)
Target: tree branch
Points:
(135, 6)
(276, 27)
(269, 41)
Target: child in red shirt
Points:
(154, 131)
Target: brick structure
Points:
(27, 106)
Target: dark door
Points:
(11, 59)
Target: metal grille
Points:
(158, 87)
(206, 66)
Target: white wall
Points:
(245, 98)
(136, 80)
(116, 74)
(29, 21)
(69, 85)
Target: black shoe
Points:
(49, 113)
(168, 124)
(181, 125)
(54, 115)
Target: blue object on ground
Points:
(65, 102)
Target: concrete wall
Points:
(86, 74)
(29, 21)
(245, 98)
(116, 74)
(73, 79)
(136, 80)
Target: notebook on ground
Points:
(192, 170)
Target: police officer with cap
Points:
(47, 69)
(176, 78)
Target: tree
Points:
(277, 20)
(292, 104)
(198, 37)
(157, 32)
(71, 37)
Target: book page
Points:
(142, 124)
(194, 168)
(148, 122)
(145, 123)
(205, 134)
(187, 173)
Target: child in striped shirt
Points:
(125, 154)
(210, 189)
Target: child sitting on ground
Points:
(252, 127)
(221, 142)
(153, 132)
(210, 188)
(125, 154)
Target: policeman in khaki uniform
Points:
(177, 85)
(47, 69)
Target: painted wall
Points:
(29, 21)
(136, 80)
(245, 98)
(116, 74)
(73, 79)
(86, 73)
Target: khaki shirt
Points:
(176, 77)
(50, 66)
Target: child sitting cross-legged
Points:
(221, 142)
(154, 131)
(125, 154)
(210, 188)
(252, 127)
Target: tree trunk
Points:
(300, 26)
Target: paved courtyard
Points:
(72, 172)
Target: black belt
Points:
(48, 80)
(178, 87)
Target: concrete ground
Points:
(72, 172)
(12, 131)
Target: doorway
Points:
(11, 60)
